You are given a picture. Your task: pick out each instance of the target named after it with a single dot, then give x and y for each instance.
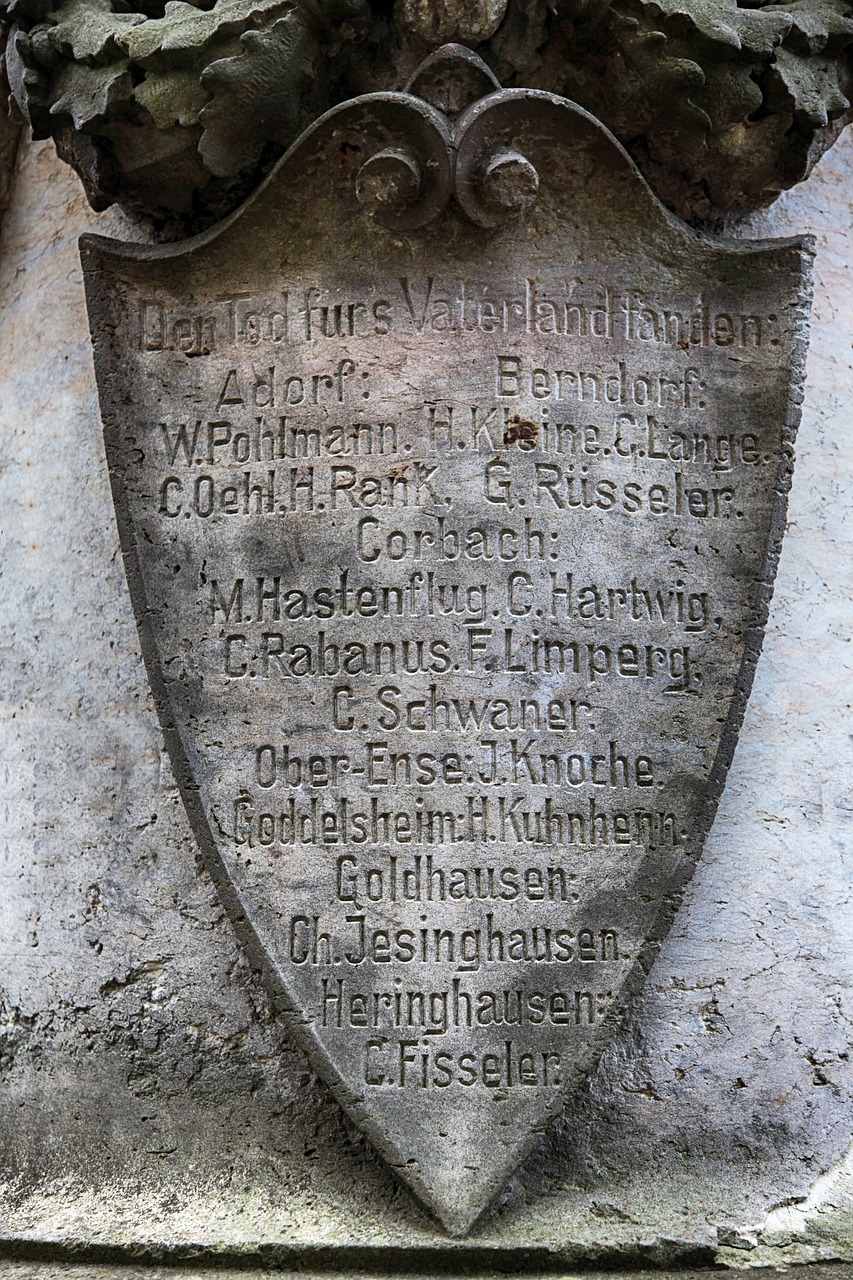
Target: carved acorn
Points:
(442, 21)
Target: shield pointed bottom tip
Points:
(464, 1151)
(456, 1216)
(457, 1207)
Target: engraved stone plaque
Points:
(450, 477)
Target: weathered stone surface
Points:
(143, 1271)
(721, 104)
(450, 547)
(438, 23)
(151, 1101)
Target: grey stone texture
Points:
(177, 109)
(53, 1270)
(450, 531)
(154, 1101)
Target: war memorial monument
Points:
(426, 758)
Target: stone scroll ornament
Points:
(451, 475)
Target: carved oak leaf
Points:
(28, 83)
(88, 30)
(256, 95)
(656, 83)
(172, 97)
(720, 102)
(184, 30)
(758, 30)
(812, 85)
(87, 95)
(819, 25)
(730, 94)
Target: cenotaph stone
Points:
(450, 475)
(394, 494)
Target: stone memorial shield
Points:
(450, 476)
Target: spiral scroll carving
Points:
(178, 110)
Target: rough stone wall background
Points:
(147, 1091)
